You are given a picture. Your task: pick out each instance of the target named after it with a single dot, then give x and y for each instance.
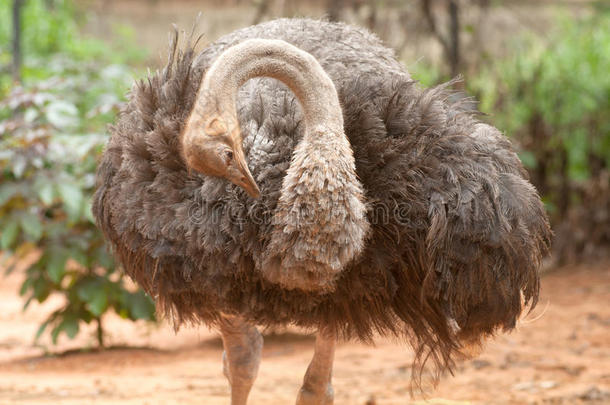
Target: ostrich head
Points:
(212, 139)
(212, 145)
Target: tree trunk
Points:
(16, 67)
(563, 204)
(100, 333)
(262, 8)
(454, 37)
(451, 41)
(333, 9)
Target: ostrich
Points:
(293, 173)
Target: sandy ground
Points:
(559, 355)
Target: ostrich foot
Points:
(317, 388)
(243, 345)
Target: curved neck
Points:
(296, 68)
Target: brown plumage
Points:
(453, 233)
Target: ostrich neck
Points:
(300, 71)
(319, 222)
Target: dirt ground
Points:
(560, 354)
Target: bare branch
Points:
(262, 8)
(16, 68)
(431, 20)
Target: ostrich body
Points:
(293, 173)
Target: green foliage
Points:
(54, 29)
(427, 74)
(553, 96)
(51, 27)
(51, 136)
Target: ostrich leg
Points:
(317, 388)
(243, 345)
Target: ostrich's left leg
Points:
(317, 388)
(243, 345)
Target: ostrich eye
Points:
(228, 156)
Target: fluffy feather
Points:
(456, 230)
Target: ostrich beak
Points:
(244, 179)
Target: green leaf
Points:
(55, 333)
(9, 269)
(88, 212)
(87, 288)
(9, 234)
(56, 266)
(528, 159)
(19, 165)
(80, 256)
(70, 326)
(42, 289)
(25, 286)
(31, 225)
(7, 191)
(41, 330)
(104, 258)
(98, 303)
(28, 302)
(46, 193)
(62, 114)
(72, 197)
(141, 306)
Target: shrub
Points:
(51, 135)
(553, 97)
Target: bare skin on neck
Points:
(212, 140)
(321, 181)
(296, 68)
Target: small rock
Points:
(524, 386)
(574, 371)
(511, 358)
(594, 394)
(591, 316)
(581, 348)
(547, 384)
(479, 364)
(403, 369)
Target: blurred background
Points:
(540, 71)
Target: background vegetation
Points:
(52, 131)
(549, 90)
(552, 97)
